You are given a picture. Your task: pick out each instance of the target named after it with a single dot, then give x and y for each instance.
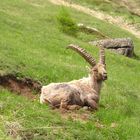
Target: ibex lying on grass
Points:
(78, 93)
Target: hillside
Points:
(123, 13)
(32, 45)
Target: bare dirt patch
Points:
(131, 5)
(21, 86)
(75, 115)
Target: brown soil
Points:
(75, 115)
(21, 86)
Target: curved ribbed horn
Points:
(83, 53)
(102, 55)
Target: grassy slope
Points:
(31, 44)
(114, 8)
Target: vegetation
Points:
(31, 44)
(67, 24)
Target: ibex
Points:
(78, 93)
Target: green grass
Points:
(31, 44)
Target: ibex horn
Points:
(102, 55)
(83, 53)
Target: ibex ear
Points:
(88, 68)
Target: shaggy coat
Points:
(77, 93)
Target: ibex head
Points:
(97, 70)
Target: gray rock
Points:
(123, 46)
(91, 30)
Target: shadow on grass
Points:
(136, 57)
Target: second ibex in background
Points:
(78, 93)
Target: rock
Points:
(123, 46)
(91, 30)
(85, 108)
(113, 125)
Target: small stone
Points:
(85, 108)
(113, 125)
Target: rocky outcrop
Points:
(123, 46)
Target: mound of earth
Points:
(21, 86)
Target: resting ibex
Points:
(78, 93)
